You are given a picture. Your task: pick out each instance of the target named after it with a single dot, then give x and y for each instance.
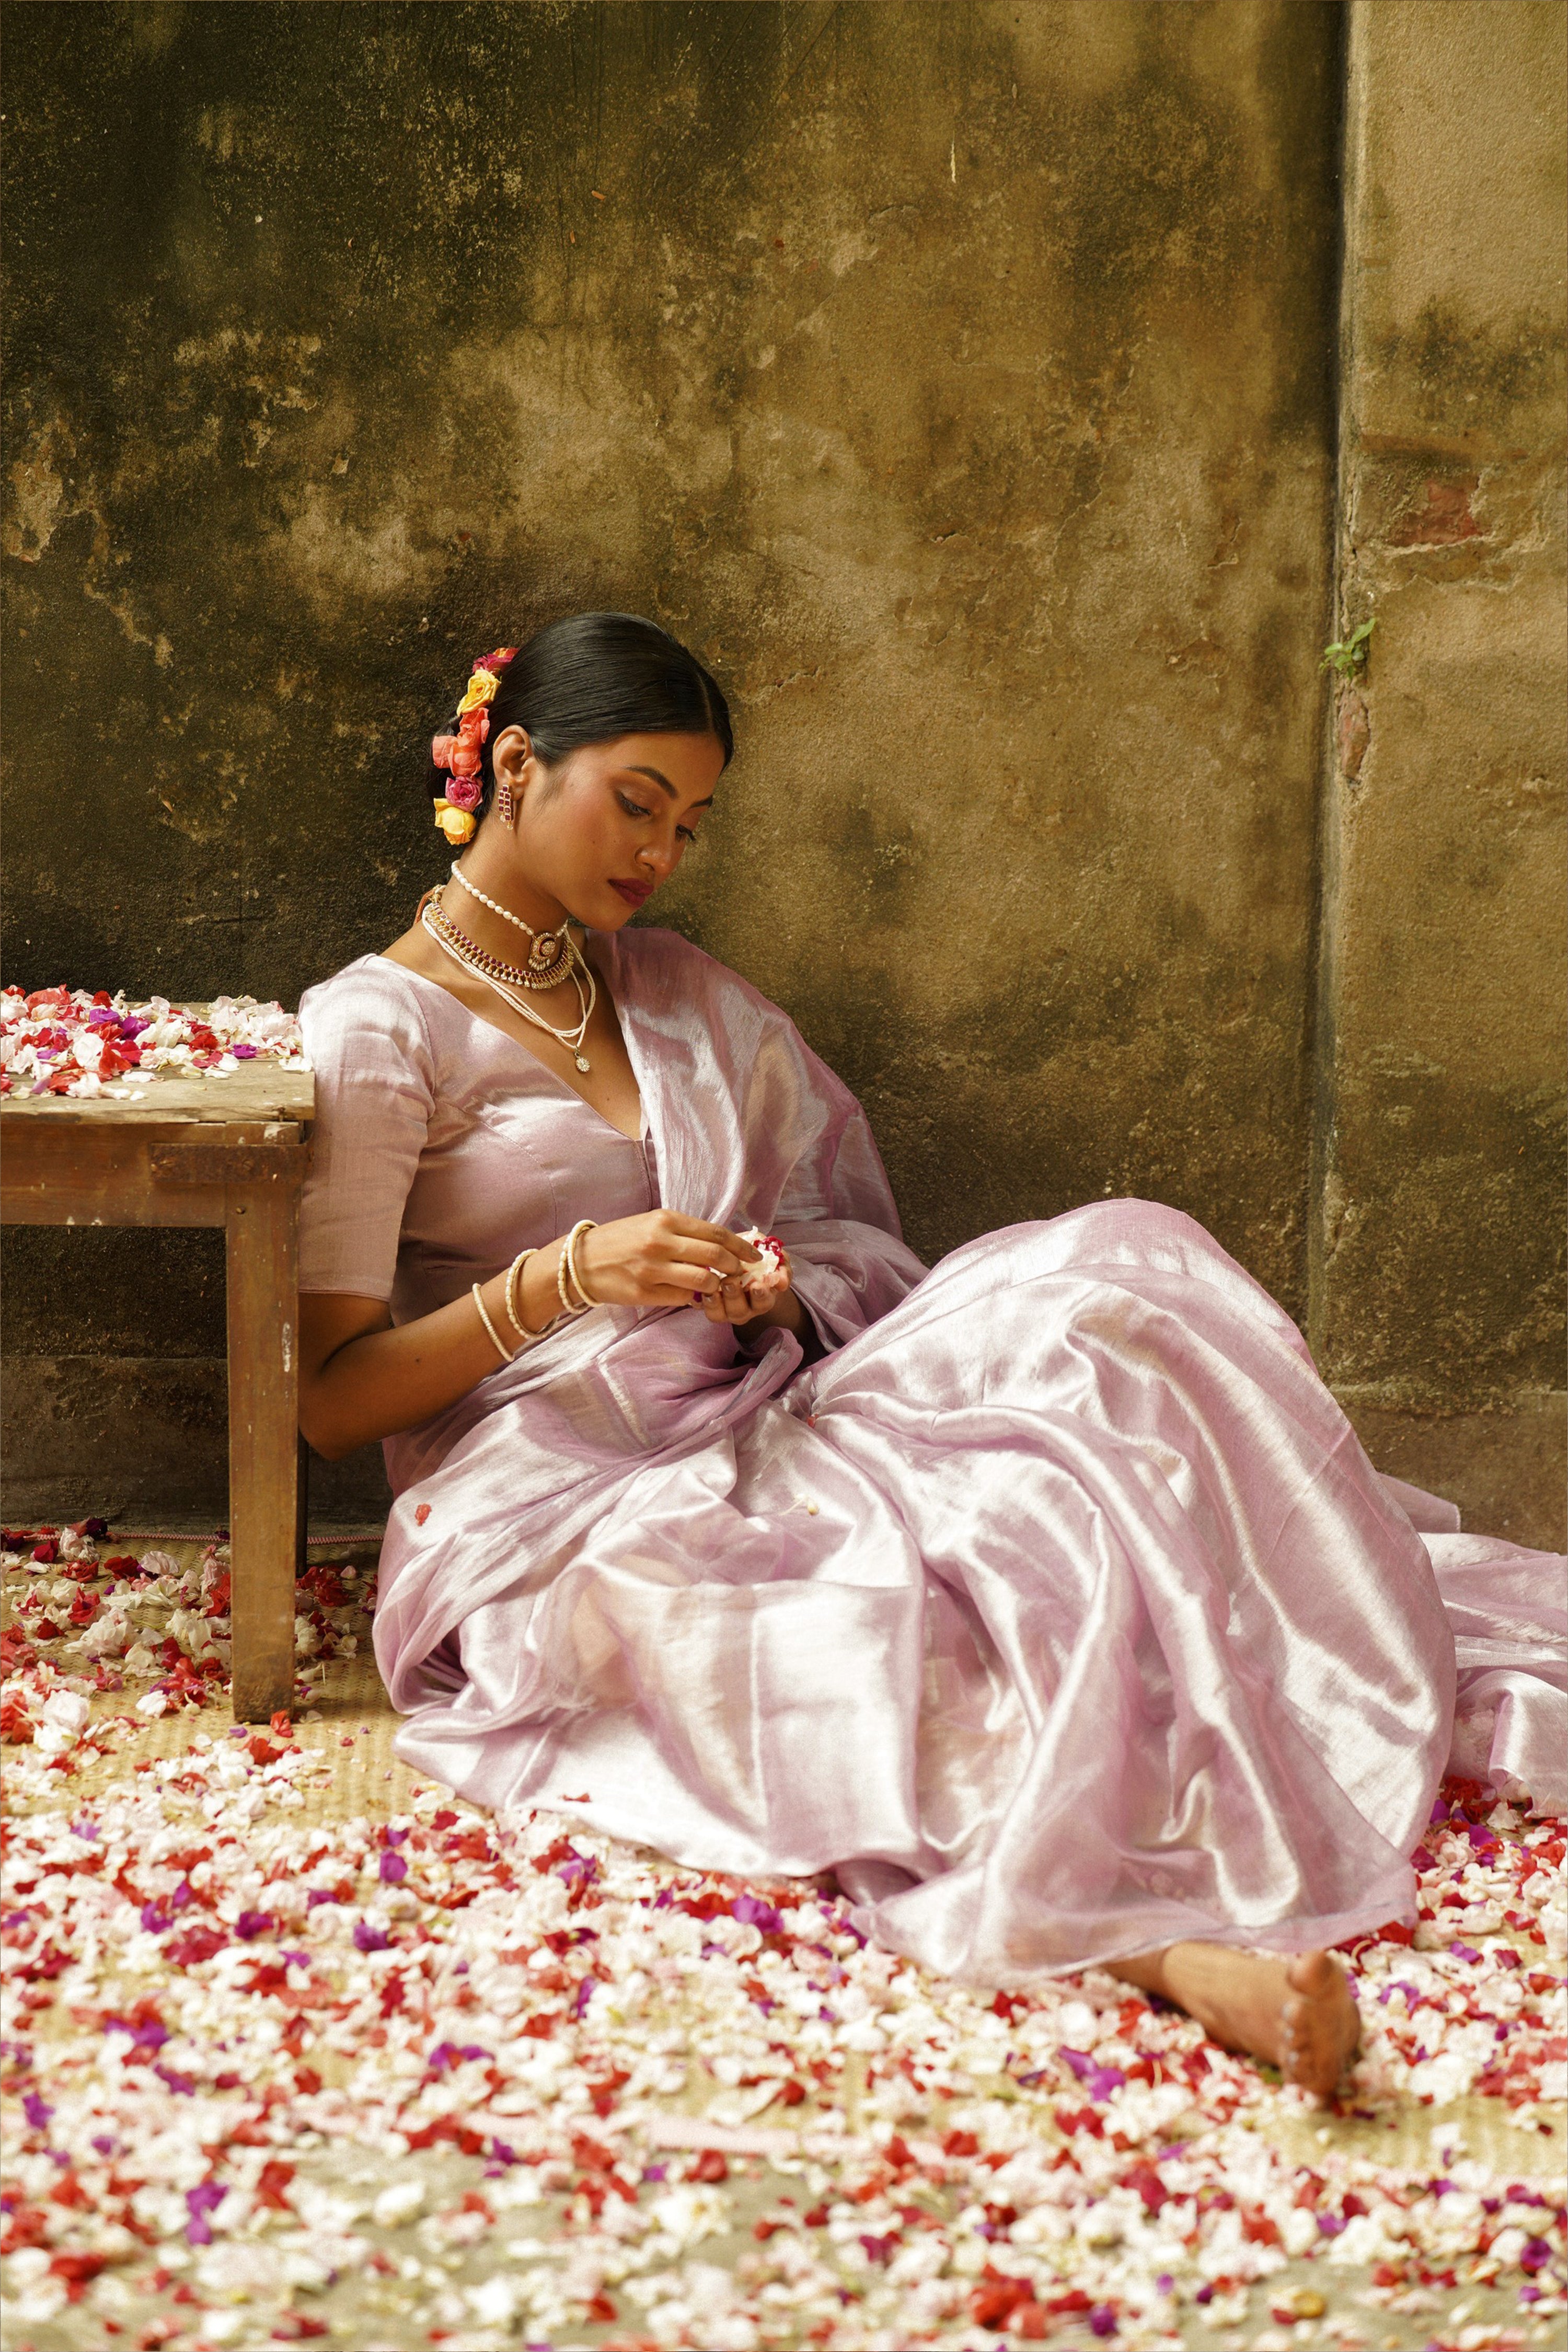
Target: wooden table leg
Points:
(263, 1441)
(303, 1506)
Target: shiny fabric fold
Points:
(1057, 1606)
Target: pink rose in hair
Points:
(463, 793)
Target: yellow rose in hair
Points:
(482, 690)
(455, 822)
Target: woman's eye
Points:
(686, 833)
(630, 807)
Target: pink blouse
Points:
(442, 1146)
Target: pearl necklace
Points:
(551, 956)
(463, 952)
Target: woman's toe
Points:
(1312, 1974)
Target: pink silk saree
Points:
(1056, 1607)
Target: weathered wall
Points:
(1438, 1290)
(960, 380)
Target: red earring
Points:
(503, 799)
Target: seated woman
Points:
(1047, 1597)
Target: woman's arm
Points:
(364, 1377)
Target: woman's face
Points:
(601, 831)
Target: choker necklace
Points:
(494, 967)
(551, 956)
(503, 978)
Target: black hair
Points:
(593, 677)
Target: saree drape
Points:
(1056, 1607)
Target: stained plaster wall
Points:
(1437, 1242)
(960, 381)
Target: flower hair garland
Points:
(458, 754)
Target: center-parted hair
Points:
(595, 675)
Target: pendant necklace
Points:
(506, 981)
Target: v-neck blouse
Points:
(442, 1147)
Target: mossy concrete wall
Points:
(961, 382)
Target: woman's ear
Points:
(511, 754)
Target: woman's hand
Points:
(664, 1260)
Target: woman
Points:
(1047, 1597)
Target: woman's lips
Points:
(635, 893)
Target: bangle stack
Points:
(568, 1278)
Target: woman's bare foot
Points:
(1300, 2014)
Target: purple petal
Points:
(753, 1912)
(200, 2202)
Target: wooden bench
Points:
(233, 1152)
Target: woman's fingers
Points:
(688, 1277)
(726, 1249)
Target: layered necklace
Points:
(552, 957)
